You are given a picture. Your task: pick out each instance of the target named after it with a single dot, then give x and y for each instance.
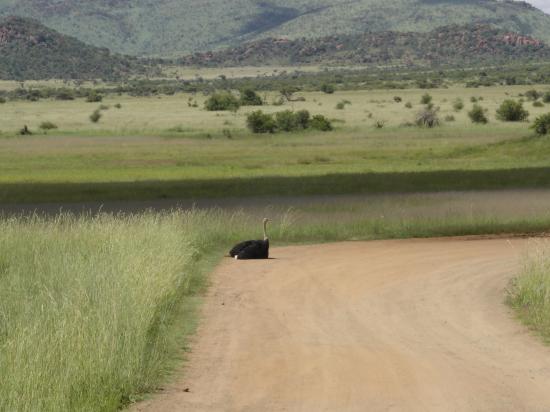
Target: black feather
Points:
(251, 249)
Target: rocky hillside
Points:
(29, 50)
(445, 45)
(175, 27)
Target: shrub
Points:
(541, 125)
(94, 97)
(103, 107)
(64, 94)
(379, 124)
(450, 118)
(95, 116)
(408, 105)
(2, 100)
(427, 118)
(546, 97)
(532, 94)
(320, 122)
(286, 121)
(512, 111)
(302, 119)
(118, 106)
(477, 115)
(342, 104)
(473, 99)
(260, 122)
(397, 99)
(47, 126)
(250, 98)
(458, 105)
(222, 101)
(327, 88)
(426, 99)
(537, 103)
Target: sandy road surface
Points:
(412, 325)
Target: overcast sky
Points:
(541, 4)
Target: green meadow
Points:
(164, 147)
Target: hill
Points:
(445, 45)
(176, 27)
(30, 50)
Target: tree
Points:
(260, 122)
(477, 114)
(512, 111)
(250, 98)
(541, 125)
(222, 101)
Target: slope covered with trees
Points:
(29, 50)
(446, 45)
(175, 27)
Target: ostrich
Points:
(252, 249)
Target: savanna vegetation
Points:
(529, 293)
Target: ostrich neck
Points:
(265, 230)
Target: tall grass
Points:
(93, 308)
(530, 293)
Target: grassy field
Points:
(530, 292)
(163, 148)
(111, 298)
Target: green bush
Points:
(47, 126)
(512, 111)
(320, 122)
(538, 103)
(458, 105)
(408, 105)
(2, 100)
(397, 99)
(118, 106)
(546, 97)
(64, 94)
(327, 88)
(477, 115)
(95, 116)
(94, 97)
(222, 101)
(250, 98)
(302, 119)
(286, 121)
(260, 122)
(541, 125)
(450, 118)
(426, 99)
(532, 94)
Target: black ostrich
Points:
(252, 249)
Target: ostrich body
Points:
(252, 249)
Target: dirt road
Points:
(412, 325)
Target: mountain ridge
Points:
(445, 45)
(171, 28)
(30, 50)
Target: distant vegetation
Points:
(286, 121)
(470, 44)
(32, 51)
(175, 28)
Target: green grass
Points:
(162, 148)
(95, 310)
(530, 292)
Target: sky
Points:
(541, 4)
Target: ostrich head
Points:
(265, 228)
